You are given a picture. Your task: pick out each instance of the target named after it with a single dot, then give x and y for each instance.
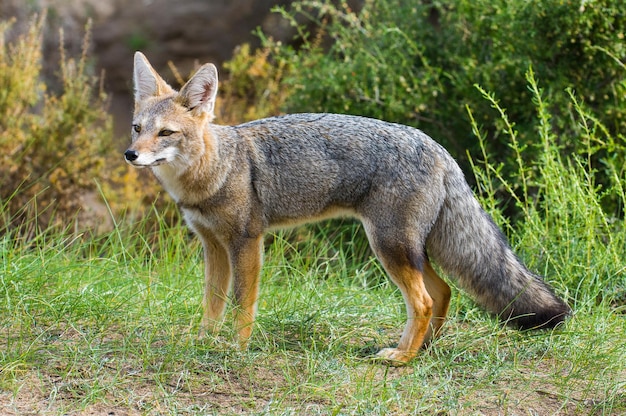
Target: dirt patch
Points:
(543, 389)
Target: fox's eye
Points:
(166, 132)
(137, 128)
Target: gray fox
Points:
(233, 183)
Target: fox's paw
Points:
(394, 356)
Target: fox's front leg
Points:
(247, 257)
(217, 278)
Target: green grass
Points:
(108, 325)
(112, 325)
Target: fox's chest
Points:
(168, 180)
(196, 220)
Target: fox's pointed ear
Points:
(199, 93)
(146, 80)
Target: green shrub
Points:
(52, 145)
(417, 63)
(565, 230)
(555, 157)
(252, 87)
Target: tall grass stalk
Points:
(576, 239)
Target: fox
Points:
(232, 184)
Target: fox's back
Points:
(312, 164)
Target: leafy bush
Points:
(465, 69)
(252, 88)
(565, 230)
(417, 63)
(52, 145)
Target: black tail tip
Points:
(548, 318)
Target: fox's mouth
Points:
(158, 162)
(148, 165)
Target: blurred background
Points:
(185, 32)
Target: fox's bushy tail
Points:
(469, 246)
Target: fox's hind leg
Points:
(406, 268)
(419, 306)
(440, 292)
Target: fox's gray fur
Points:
(233, 183)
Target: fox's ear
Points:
(146, 80)
(199, 93)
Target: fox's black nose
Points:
(131, 155)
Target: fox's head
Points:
(169, 126)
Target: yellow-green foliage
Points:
(252, 89)
(52, 145)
